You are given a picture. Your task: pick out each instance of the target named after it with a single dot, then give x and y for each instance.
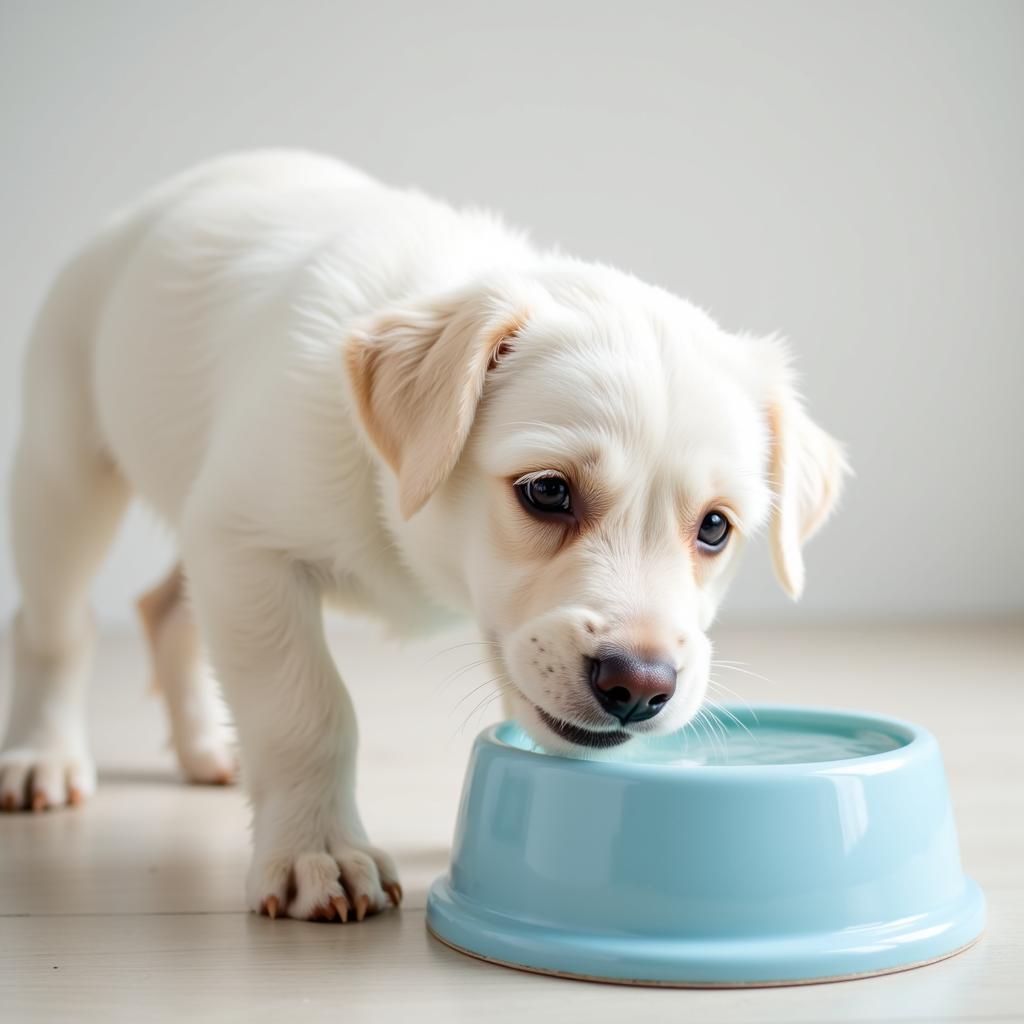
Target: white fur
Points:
(327, 388)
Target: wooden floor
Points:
(130, 909)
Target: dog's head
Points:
(580, 458)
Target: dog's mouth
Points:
(580, 736)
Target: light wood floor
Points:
(130, 909)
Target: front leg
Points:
(260, 613)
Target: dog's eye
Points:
(546, 494)
(714, 530)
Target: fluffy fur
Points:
(329, 389)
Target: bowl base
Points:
(707, 962)
(650, 983)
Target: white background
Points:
(846, 173)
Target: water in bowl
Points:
(745, 736)
(726, 742)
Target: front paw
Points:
(39, 778)
(339, 881)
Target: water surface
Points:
(763, 736)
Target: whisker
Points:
(476, 689)
(725, 711)
(712, 733)
(744, 671)
(458, 731)
(481, 708)
(701, 720)
(458, 673)
(455, 647)
(488, 698)
(716, 685)
(720, 729)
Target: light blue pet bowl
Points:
(796, 845)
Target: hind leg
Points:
(196, 713)
(64, 510)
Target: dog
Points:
(334, 391)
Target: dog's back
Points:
(110, 357)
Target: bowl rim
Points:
(916, 741)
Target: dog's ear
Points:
(417, 373)
(806, 468)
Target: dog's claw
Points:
(38, 802)
(342, 907)
(10, 802)
(75, 796)
(362, 905)
(328, 912)
(346, 884)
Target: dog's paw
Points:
(348, 883)
(208, 764)
(38, 779)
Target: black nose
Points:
(630, 688)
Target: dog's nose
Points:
(631, 688)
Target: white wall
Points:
(847, 173)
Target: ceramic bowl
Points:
(787, 845)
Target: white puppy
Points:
(336, 391)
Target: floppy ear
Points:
(417, 373)
(807, 468)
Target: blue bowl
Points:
(788, 845)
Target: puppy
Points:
(335, 391)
